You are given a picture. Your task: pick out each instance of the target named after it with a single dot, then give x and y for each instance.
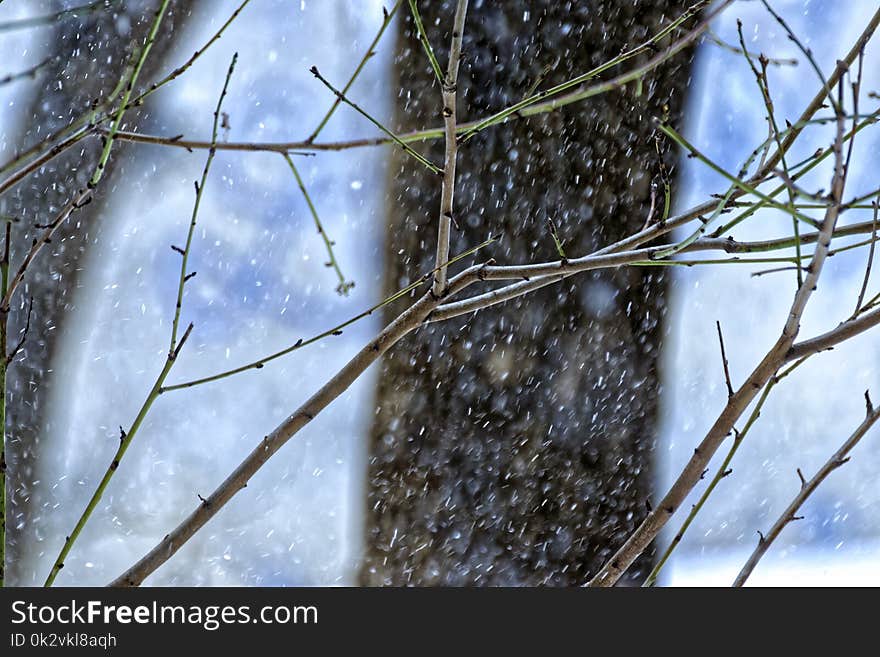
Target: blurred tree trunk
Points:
(89, 55)
(515, 446)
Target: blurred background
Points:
(262, 284)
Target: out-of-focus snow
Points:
(261, 285)
(794, 565)
(812, 412)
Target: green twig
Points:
(426, 44)
(722, 472)
(718, 41)
(386, 20)
(763, 82)
(344, 286)
(342, 97)
(546, 100)
(336, 330)
(736, 181)
(803, 168)
(200, 190)
(85, 124)
(129, 87)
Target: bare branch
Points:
(806, 489)
(736, 405)
(406, 322)
(450, 86)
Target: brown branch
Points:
(806, 489)
(406, 322)
(724, 361)
(641, 538)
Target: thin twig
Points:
(200, 190)
(724, 361)
(342, 97)
(826, 84)
(180, 70)
(175, 347)
(806, 489)
(129, 87)
(426, 44)
(90, 122)
(763, 82)
(81, 198)
(538, 275)
(657, 518)
(722, 472)
(539, 103)
(774, 61)
(344, 286)
(476, 125)
(406, 322)
(334, 331)
(24, 333)
(371, 50)
(867, 277)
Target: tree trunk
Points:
(514, 446)
(89, 55)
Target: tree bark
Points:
(89, 54)
(514, 446)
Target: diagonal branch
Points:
(807, 487)
(175, 347)
(657, 518)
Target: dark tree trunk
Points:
(89, 56)
(515, 446)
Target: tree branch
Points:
(807, 487)
(450, 86)
(737, 404)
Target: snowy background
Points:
(261, 285)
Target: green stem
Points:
(802, 169)
(342, 97)
(367, 55)
(344, 286)
(336, 330)
(200, 190)
(124, 443)
(173, 352)
(763, 82)
(423, 38)
(737, 182)
(539, 103)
